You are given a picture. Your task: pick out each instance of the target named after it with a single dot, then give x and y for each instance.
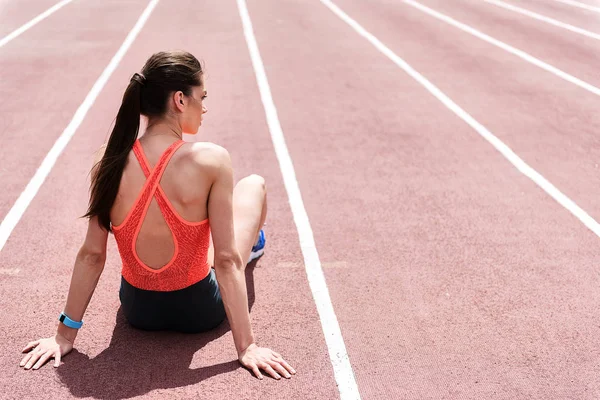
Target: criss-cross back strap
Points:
(141, 157)
(153, 175)
(162, 162)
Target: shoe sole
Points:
(256, 254)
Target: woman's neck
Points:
(164, 128)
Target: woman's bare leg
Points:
(249, 214)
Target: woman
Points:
(157, 195)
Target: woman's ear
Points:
(179, 100)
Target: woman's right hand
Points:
(42, 350)
(255, 358)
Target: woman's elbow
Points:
(228, 261)
(91, 256)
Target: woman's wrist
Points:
(68, 333)
(244, 350)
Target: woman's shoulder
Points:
(205, 155)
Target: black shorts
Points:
(197, 308)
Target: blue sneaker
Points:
(259, 248)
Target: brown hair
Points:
(147, 94)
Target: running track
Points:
(452, 274)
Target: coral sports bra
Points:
(191, 239)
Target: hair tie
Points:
(139, 78)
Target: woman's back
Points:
(183, 191)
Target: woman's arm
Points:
(228, 262)
(231, 277)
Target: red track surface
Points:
(453, 276)
(16, 13)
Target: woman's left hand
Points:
(42, 350)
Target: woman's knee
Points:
(256, 181)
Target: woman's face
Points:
(193, 110)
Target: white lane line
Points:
(338, 355)
(519, 53)
(18, 209)
(523, 167)
(580, 5)
(9, 271)
(33, 22)
(543, 18)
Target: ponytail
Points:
(106, 176)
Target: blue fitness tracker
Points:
(69, 322)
